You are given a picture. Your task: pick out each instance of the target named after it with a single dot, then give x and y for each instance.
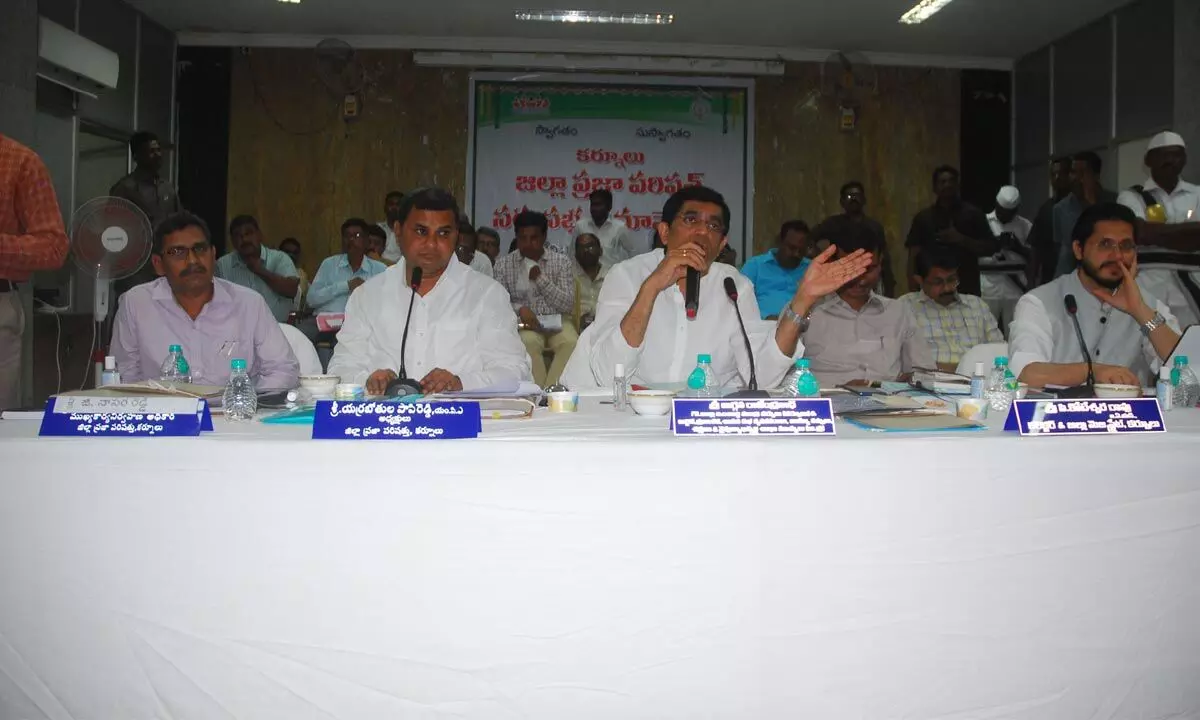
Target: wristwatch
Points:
(1153, 324)
(790, 315)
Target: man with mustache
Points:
(266, 271)
(1128, 332)
(214, 320)
(857, 336)
(952, 323)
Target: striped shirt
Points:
(953, 330)
(231, 267)
(553, 293)
(31, 227)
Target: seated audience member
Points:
(727, 255)
(641, 321)
(487, 241)
(340, 275)
(589, 277)
(376, 244)
(391, 249)
(957, 224)
(541, 286)
(1002, 274)
(1127, 331)
(952, 323)
(463, 334)
(856, 336)
(853, 199)
(776, 273)
(264, 270)
(215, 321)
(615, 237)
(291, 246)
(467, 250)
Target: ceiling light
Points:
(290, 2)
(922, 10)
(589, 16)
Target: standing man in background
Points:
(950, 221)
(32, 238)
(253, 265)
(1003, 278)
(1086, 191)
(615, 239)
(146, 188)
(1044, 255)
(391, 251)
(853, 199)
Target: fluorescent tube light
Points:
(590, 16)
(922, 11)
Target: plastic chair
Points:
(985, 354)
(303, 349)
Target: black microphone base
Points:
(401, 387)
(753, 394)
(1076, 393)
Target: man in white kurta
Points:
(641, 322)
(463, 333)
(1002, 274)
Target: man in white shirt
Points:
(463, 334)
(391, 204)
(1002, 274)
(467, 250)
(1126, 330)
(1168, 211)
(617, 242)
(641, 322)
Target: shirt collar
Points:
(1181, 188)
(451, 276)
(874, 302)
(161, 291)
(926, 300)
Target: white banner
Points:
(546, 147)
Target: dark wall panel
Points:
(1145, 68)
(112, 24)
(1032, 94)
(60, 11)
(157, 64)
(1083, 88)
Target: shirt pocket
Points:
(450, 343)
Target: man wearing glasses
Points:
(342, 274)
(1128, 332)
(853, 199)
(641, 322)
(952, 323)
(214, 320)
(267, 271)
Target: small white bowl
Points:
(1124, 392)
(563, 402)
(321, 386)
(651, 402)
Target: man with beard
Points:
(853, 199)
(266, 271)
(776, 273)
(215, 321)
(616, 241)
(1127, 331)
(145, 186)
(952, 323)
(1044, 253)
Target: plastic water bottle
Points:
(620, 388)
(1187, 387)
(110, 376)
(1165, 389)
(978, 383)
(701, 381)
(240, 401)
(807, 385)
(1001, 387)
(175, 368)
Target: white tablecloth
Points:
(600, 569)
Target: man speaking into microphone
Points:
(461, 333)
(1126, 331)
(642, 318)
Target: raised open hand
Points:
(825, 276)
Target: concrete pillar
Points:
(18, 67)
(1187, 73)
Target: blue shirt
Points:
(330, 288)
(774, 285)
(231, 267)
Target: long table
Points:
(592, 566)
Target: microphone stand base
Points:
(750, 394)
(1076, 393)
(402, 387)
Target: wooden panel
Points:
(801, 158)
(301, 170)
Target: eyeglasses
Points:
(1125, 246)
(692, 219)
(180, 252)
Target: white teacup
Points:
(972, 409)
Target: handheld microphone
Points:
(1088, 389)
(403, 385)
(691, 293)
(751, 390)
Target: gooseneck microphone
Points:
(403, 385)
(691, 293)
(751, 390)
(1088, 389)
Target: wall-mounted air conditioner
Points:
(75, 62)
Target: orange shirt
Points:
(31, 228)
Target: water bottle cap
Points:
(978, 368)
(1181, 360)
(619, 370)
(110, 362)
(704, 358)
(803, 363)
(238, 364)
(1164, 373)
(175, 348)
(1002, 361)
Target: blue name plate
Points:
(125, 416)
(382, 420)
(752, 416)
(1085, 417)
